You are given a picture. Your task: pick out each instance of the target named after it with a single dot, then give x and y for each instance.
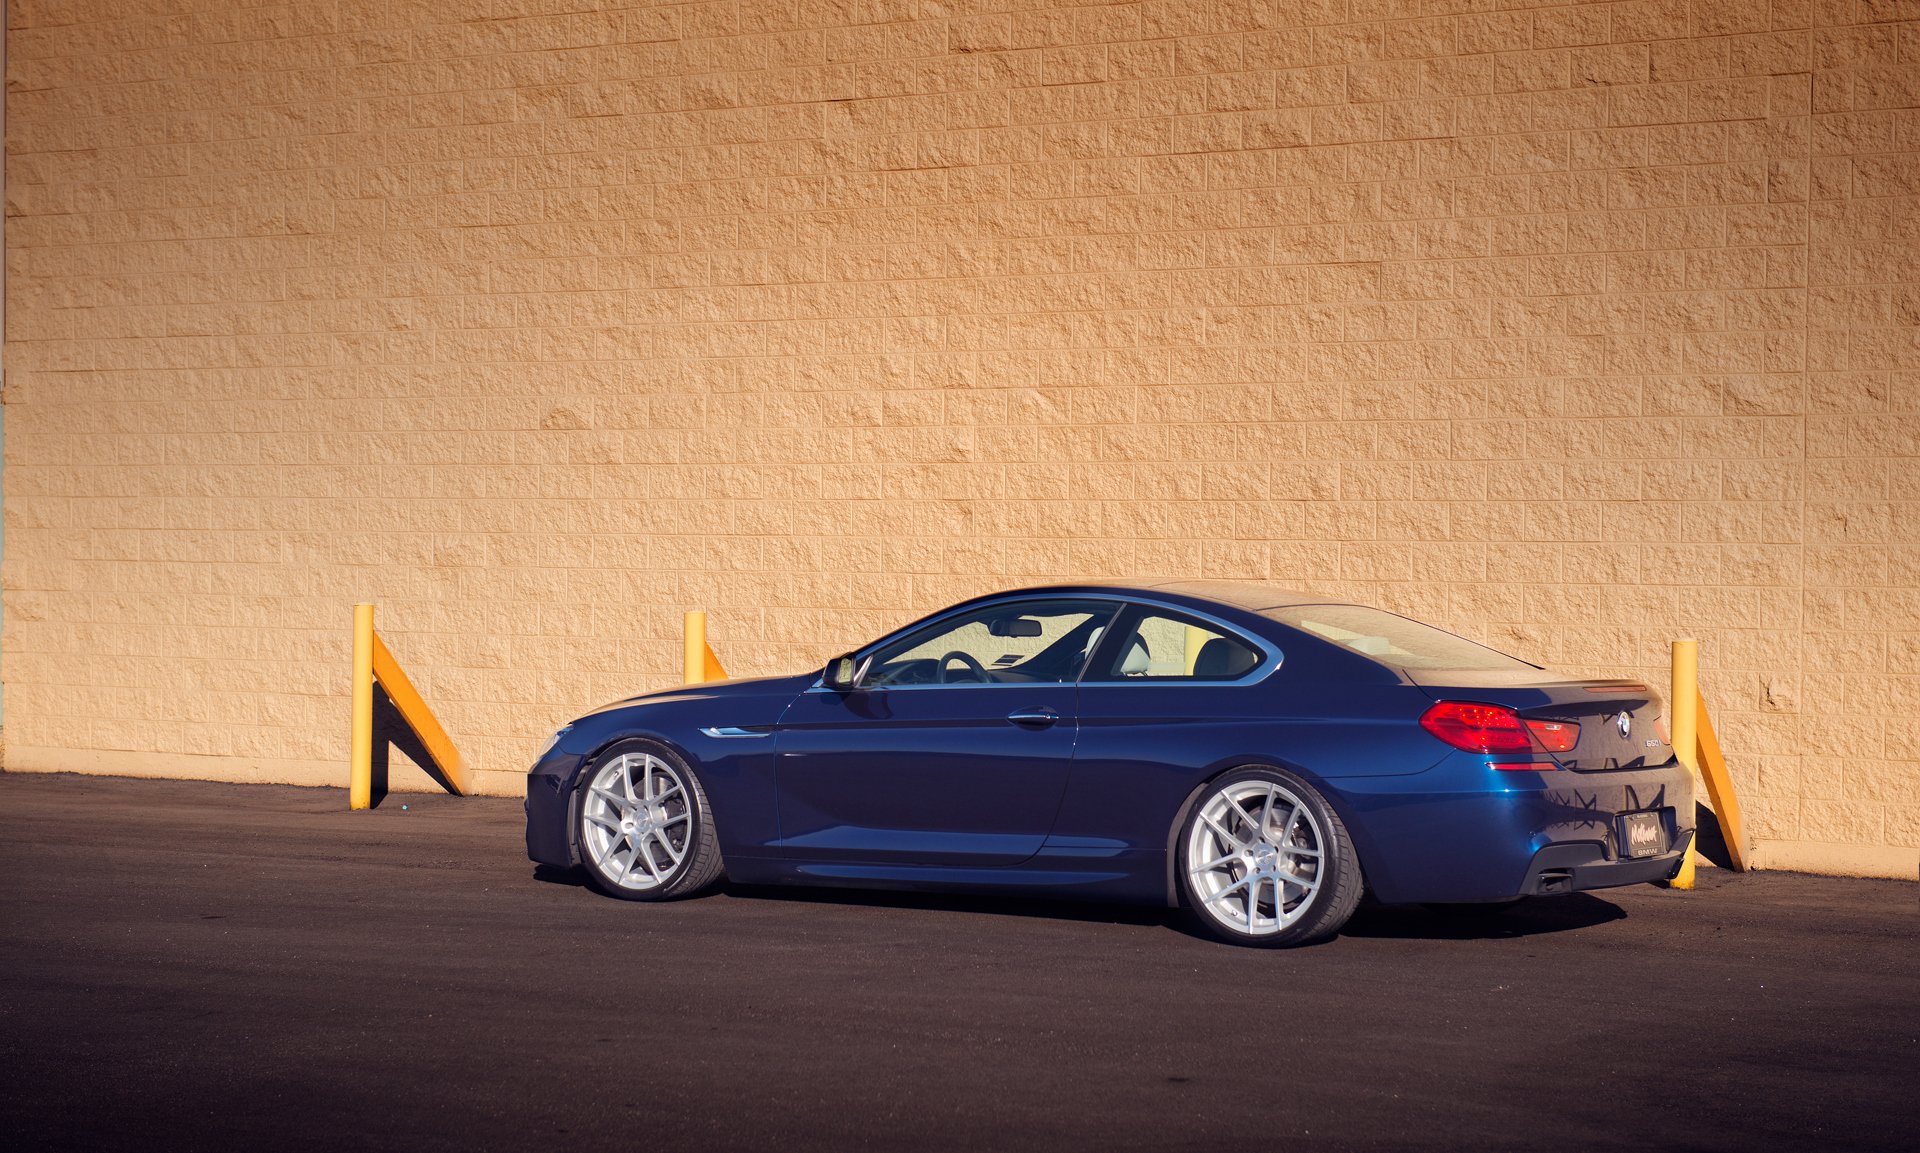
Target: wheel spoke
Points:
(675, 819)
(1210, 866)
(607, 823)
(1279, 835)
(1253, 901)
(626, 780)
(641, 855)
(1266, 814)
(673, 854)
(1221, 829)
(614, 800)
(1228, 891)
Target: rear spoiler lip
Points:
(1549, 692)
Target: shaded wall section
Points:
(1574, 327)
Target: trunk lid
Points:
(1606, 741)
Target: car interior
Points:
(1052, 643)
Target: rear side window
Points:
(1165, 646)
(1390, 639)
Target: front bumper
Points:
(549, 810)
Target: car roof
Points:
(1251, 596)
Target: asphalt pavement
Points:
(199, 966)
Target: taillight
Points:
(1555, 736)
(1498, 729)
(1477, 728)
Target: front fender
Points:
(736, 772)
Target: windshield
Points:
(1391, 639)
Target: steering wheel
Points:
(978, 670)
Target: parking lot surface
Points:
(220, 966)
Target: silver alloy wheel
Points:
(1254, 857)
(636, 822)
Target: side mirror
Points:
(842, 674)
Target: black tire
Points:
(1315, 914)
(602, 845)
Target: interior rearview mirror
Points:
(842, 674)
(1014, 627)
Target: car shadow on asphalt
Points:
(1112, 913)
(1527, 918)
(1530, 917)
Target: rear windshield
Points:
(1390, 639)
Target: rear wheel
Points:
(644, 829)
(1266, 861)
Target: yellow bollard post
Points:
(360, 779)
(695, 646)
(1196, 640)
(1684, 705)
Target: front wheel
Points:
(1266, 861)
(645, 831)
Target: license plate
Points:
(1641, 835)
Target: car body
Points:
(1065, 739)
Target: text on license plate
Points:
(1641, 835)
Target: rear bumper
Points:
(1473, 833)
(1578, 868)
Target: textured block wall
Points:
(1575, 327)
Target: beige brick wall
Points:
(1576, 327)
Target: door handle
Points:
(1033, 718)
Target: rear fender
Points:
(1330, 795)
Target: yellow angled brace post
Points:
(374, 665)
(419, 718)
(1713, 768)
(697, 660)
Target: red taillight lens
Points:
(1555, 736)
(1477, 728)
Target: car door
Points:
(952, 749)
(1164, 699)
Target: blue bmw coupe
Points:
(1258, 755)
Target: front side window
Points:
(1023, 642)
(1167, 646)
